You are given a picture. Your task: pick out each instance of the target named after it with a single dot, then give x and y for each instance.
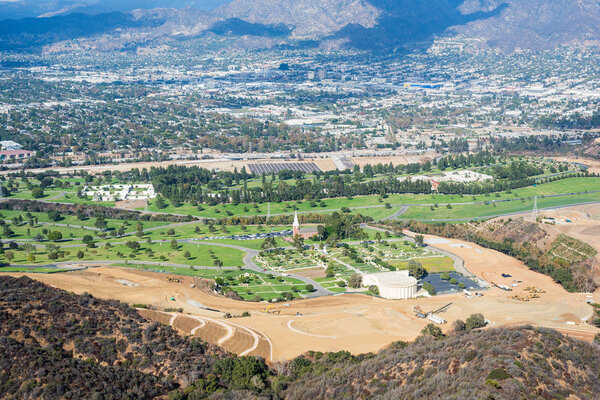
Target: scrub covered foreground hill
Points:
(53, 342)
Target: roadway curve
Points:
(250, 254)
(459, 263)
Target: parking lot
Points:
(259, 169)
(441, 286)
(253, 236)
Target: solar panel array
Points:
(259, 169)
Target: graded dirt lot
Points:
(584, 223)
(581, 222)
(353, 322)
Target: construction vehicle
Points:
(441, 310)
(520, 298)
(526, 297)
(269, 311)
(173, 280)
(419, 312)
(502, 287)
(532, 289)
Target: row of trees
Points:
(179, 184)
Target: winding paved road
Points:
(249, 263)
(459, 263)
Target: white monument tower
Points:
(296, 225)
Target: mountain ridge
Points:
(372, 25)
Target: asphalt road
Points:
(249, 263)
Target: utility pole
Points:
(534, 213)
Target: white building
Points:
(394, 285)
(10, 145)
(120, 192)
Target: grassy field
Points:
(201, 230)
(248, 284)
(27, 195)
(22, 232)
(472, 211)
(13, 269)
(431, 264)
(254, 244)
(73, 199)
(570, 185)
(200, 255)
(186, 271)
(88, 222)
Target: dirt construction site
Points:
(354, 322)
(581, 222)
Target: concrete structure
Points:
(296, 225)
(436, 318)
(10, 145)
(394, 285)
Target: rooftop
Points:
(399, 279)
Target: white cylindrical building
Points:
(394, 285)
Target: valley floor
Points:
(353, 322)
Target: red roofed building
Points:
(306, 233)
(15, 155)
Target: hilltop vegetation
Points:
(490, 364)
(53, 342)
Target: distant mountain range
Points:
(379, 25)
(17, 9)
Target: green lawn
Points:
(201, 230)
(25, 231)
(200, 255)
(377, 213)
(27, 195)
(12, 269)
(187, 271)
(88, 222)
(254, 244)
(73, 199)
(431, 264)
(489, 210)
(258, 283)
(222, 211)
